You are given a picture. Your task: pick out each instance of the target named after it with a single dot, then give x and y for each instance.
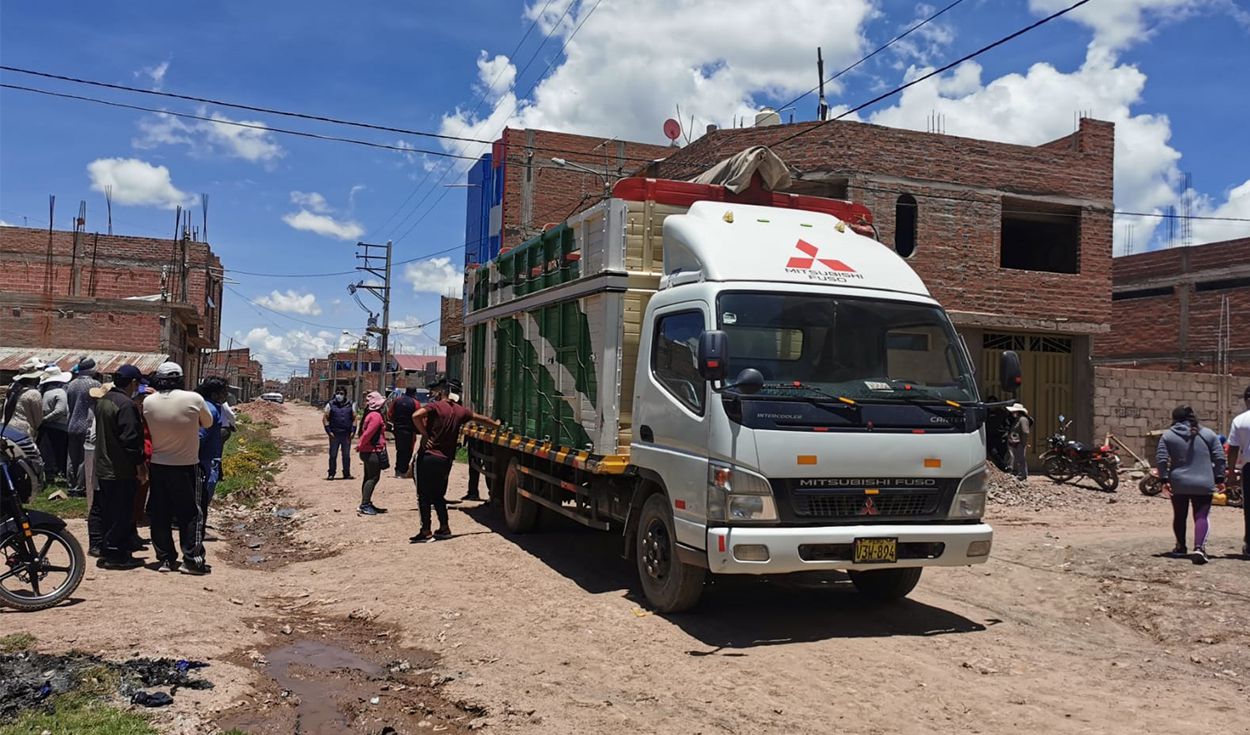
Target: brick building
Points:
(320, 388)
(245, 375)
(1166, 309)
(87, 292)
(1014, 241)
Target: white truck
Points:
(737, 383)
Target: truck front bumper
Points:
(738, 550)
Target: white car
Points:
(272, 397)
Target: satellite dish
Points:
(672, 129)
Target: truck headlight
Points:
(970, 498)
(735, 495)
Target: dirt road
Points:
(1073, 626)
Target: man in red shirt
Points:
(439, 423)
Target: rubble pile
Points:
(1036, 493)
(262, 411)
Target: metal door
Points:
(1048, 374)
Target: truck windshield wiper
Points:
(920, 398)
(821, 398)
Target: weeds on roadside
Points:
(61, 507)
(81, 714)
(14, 642)
(248, 462)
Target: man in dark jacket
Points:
(119, 451)
(339, 419)
(78, 397)
(401, 411)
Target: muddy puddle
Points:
(265, 537)
(342, 676)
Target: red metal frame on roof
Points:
(685, 193)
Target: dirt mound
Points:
(261, 411)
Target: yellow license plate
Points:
(876, 550)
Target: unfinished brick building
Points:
(75, 292)
(245, 375)
(1013, 240)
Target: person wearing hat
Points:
(118, 453)
(1239, 452)
(54, 432)
(81, 405)
(372, 449)
(174, 417)
(1019, 428)
(24, 406)
(439, 424)
(339, 420)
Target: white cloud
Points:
(497, 75)
(311, 201)
(156, 74)
(291, 302)
(281, 353)
(136, 182)
(1119, 24)
(624, 69)
(324, 225)
(1236, 204)
(351, 195)
(436, 275)
(207, 137)
(6, 224)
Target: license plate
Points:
(876, 550)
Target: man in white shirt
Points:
(1239, 463)
(174, 417)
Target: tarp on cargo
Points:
(734, 173)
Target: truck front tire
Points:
(520, 514)
(670, 585)
(887, 585)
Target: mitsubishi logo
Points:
(810, 250)
(870, 508)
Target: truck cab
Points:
(805, 405)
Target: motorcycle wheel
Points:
(1058, 468)
(1150, 485)
(1104, 473)
(52, 576)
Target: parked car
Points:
(272, 397)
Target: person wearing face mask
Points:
(339, 418)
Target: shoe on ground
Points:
(367, 510)
(210, 537)
(196, 568)
(167, 566)
(93, 551)
(442, 533)
(1200, 556)
(421, 537)
(118, 562)
(330, 476)
(1180, 552)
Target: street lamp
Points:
(607, 182)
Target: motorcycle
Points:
(1066, 460)
(41, 563)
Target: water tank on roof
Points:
(767, 116)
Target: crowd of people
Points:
(426, 438)
(136, 447)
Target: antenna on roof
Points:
(108, 204)
(204, 212)
(1187, 201)
(822, 107)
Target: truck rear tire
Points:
(520, 514)
(670, 585)
(887, 585)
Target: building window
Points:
(905, 213)
(1141, 293)
(674, 357)
(1040, 236)
(1222, 284)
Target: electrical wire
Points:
(284, 315)
(878, 50)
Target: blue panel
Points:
(479, 183)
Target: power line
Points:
(878, 50)
(256, 304)
(235, 123)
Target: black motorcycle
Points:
(1066, 460)
(41, 563)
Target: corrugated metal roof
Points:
(107, 361)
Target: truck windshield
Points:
(858, 348)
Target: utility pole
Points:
(375, 260)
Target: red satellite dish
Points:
(672, 129)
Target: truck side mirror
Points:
(749, 382)
(1011, 377)
(713, 354)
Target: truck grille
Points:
(896, 504)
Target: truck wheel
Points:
(670, 585)
(520, 513)
(887, 584)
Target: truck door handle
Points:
(646, 434)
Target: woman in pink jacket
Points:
(372, 449)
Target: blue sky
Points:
(279, 204)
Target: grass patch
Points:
(14, 642)
(62, 507)
(462, 455)
(249, 459)
(81, 715)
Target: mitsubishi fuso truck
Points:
(737, 383)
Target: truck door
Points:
(670, 416)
